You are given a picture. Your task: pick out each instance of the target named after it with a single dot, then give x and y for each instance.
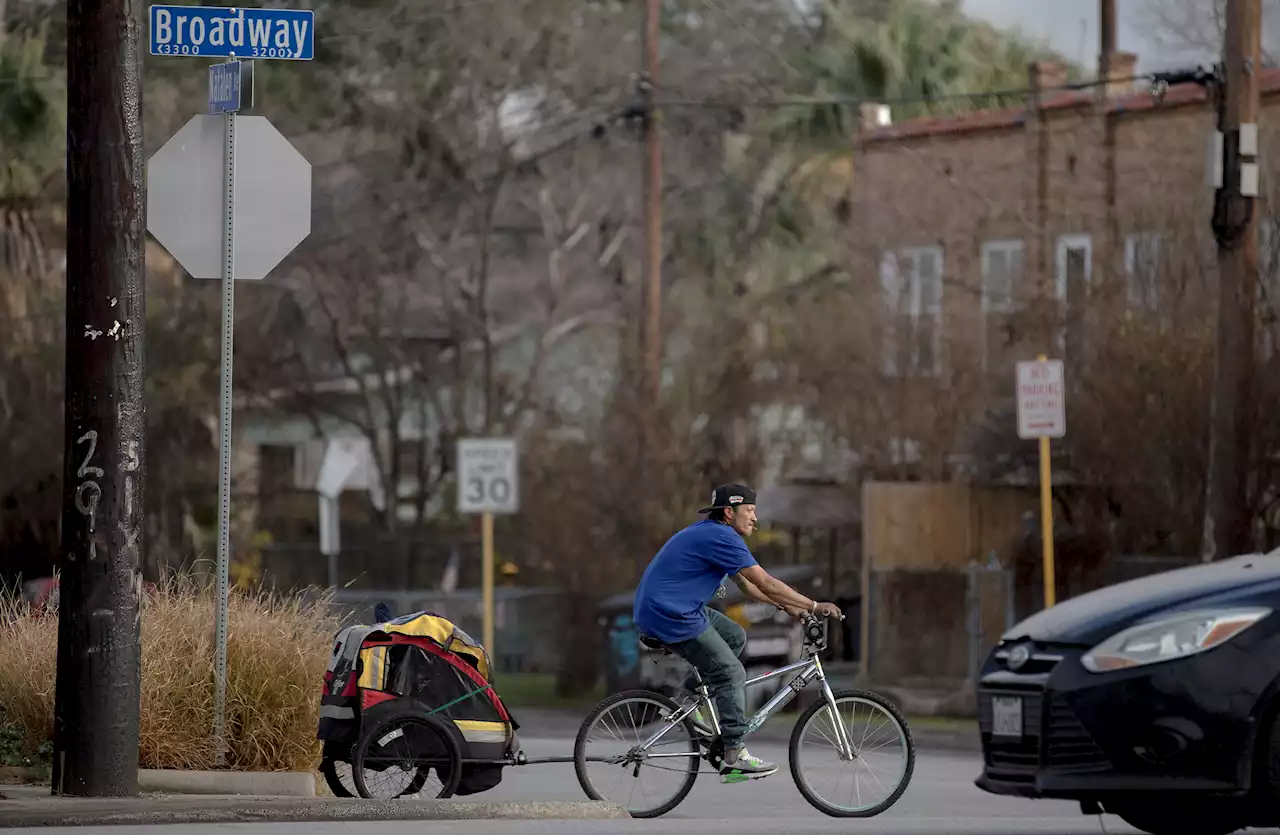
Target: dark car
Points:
(1154, 699)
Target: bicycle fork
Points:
(847, 750)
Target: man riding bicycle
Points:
(671, 607)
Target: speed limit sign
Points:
(488, 475)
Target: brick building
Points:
(1064, 207)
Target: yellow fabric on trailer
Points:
(474, 731)
(373, 671)
(444, 632)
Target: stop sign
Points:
(186, 194)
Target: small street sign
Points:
(233, 32)
(1042, 411)
(488, 475)
(186, 192)
(228, 84)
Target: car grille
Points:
(1070, 748)
(1053, 738)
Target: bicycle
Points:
(704, 743)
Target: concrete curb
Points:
(147, 811)
(260, 783)
(170, 781)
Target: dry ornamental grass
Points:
(277, 650)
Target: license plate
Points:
(1006, 716)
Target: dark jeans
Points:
(715, 653)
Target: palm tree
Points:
(905, 52)
(32, 152)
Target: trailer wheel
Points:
(406, 753)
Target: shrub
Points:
(277, 650)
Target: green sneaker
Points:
(739, 765)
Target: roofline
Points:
(1015, 117)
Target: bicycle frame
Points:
(809, 669)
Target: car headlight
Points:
(1169, 638)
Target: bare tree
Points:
(1195, 28)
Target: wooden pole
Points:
(1226, 525)
(95, 726)
(653, 203)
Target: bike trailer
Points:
(421, 662)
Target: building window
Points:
(1142, 269)
(1002, 270)
(277, 468)
(1074, 272)
(1074, 268)
(912, 284)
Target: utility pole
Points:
(1106, 39)
(652, 203)
(1106, 58)
(1226, 523)
(96, 695)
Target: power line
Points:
(818, 101)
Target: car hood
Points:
(1094, 616)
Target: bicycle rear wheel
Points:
(884, 755)
(604, 756)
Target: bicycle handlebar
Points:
(807, 617)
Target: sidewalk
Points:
(32, 806)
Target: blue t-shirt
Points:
(676, 587)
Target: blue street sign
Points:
(228, 32)
(224, 87)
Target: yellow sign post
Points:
(1042, 414)
(1046, 522)
(486, 554)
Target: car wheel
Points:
(1267, 773)
(1161, 816)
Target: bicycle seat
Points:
(655, 645)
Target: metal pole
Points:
(486, 555)
(224, 439)
(95, 724)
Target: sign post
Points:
(229, 197)
(488, 483)
(1042, 414)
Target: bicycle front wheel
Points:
(883, 754)
(610, 767)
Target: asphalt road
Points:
(941, 800)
